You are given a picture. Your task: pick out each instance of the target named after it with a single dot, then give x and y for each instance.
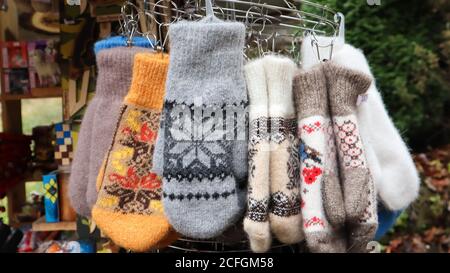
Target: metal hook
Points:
(161, 43)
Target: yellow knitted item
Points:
(129, 208)
(149, 79)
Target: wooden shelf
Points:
(41, 225)
(49, 92)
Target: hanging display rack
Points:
(264, 23)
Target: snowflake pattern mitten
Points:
(205, 124)
(256, 221)
(158, 155)
(344, 87)
(285, 216)
(129, 208)
(312, 111)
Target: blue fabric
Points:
(59, 126)
(117, 41)
(386, 220)
(87, 246)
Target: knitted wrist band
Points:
(210, 49)
(149, 80)
(345, 89)
(121, 41)
(312, 100)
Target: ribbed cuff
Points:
(345, 85)
(310, 92)
(256, 83)
(114, 70)
(280, 75)
(149, 80)
(206, 61)
(121, 41)
(213, 37)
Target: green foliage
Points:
(36, 112)
(407, 44)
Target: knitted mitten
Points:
(333, 199)
(204, 119)
(256, 222)
(344, 86)
(114, 74)
(363, 231)
(78, 180)
(129, 208)
(158, 155)
(115, 82)
(312, 112)
(285, 216)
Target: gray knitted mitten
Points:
(205, 128)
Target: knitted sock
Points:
(344, 86)
(285, 215)
(129, 208)
(204, 114)
(114, 76)
(114, 66)
(256, 221)
(312, 111)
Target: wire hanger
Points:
(315, 43)
(128, 21)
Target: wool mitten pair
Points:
(129, 208)
(273, 202)
(388, 158)
(344, 87)
(205, 128)
(114, 76)
(318, 164)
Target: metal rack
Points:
(270, 28)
